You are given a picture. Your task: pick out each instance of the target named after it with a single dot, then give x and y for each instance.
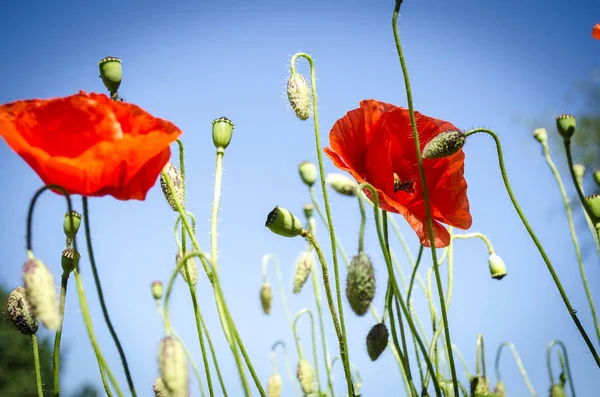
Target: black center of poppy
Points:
(404, 185)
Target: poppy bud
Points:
(308, 210)
(192, 268)
(342, 184)
(540, 134)
(579, 171)
(557, 390)
(266, 297)
(39, 285)
(597, 177)
(178, 186)
(282, 222)
(306, 376)
(157, 290)
(377, 340)
(480, 386)
(360, 283)
(299, 95)
(71, 218)
(593, 203)
(159, 388)
(111, 73)
(274, 385)
(303, 267)
(566, 126)
(173, 367)
(222, 130)
(499, 389)
(562, 378)
(69, 260)
(444, 145)
(308, 173)
(497, 266)
(20, 312)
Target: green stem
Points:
(287, 364)
(537, 243)
(519, 363)
(36, 364)
(462, 360)
(343, 354)
(586, 207)
(549, 363)
(265, 263)
(57, 338)
(407, 251)
(480, 356)
(414, 273)
(478, 235)
(363, 221)
(314, 343)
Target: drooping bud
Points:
(444, 145)
(111, 73)
(304, 266)
(597, 177)
(306, 376)
(360, 283)
(308, 210)
(222, 131)
(377, 340)
(497, 266)
(274, 385)
(562, 378)
(160, 389)
(192, 268)
(540, 134)
(565, 124)
(499, 389)
(593, 203)
(173, 367)
(178, 186)
(282, 222)
(157, 290)
(69, 260)
(342, 184)
(39, 285)
(20, 312)
(557, 390)
(299, 95)
(266, 297)
(308, 173)
(71, 224)
(579, 171)
(480, 386)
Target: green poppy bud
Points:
(308, 173)
(111, 73)
(499, 389)
(342, 184)
(360, 284)
(480, 386)
(497, 266)
(160, 389)
(178, 186)
(173, 367)
(69, 260)
(308, 210)
(222, 130)
(266, 297)
(377, 340)
(20, 312)
(71, 224)
(274, 385)
(566, 126)
(282, 222)
(299, 96)
(444, 145)
(306, 376)
(597, 177)
(579, 171)
(540, 134)
(39, 285)
(593, 203)
(557, 390)
(157, 290)
(192, 268)
(304, 266)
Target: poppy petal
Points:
(596, 31)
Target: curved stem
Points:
(57, 338)
(519, 363)
(478, 235)
(363, 221)
(314, 343)
(287, 364)
(537, 243)
(36, 364)
(549, 363)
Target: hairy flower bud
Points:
(499, 389)
(342, 184)
(557, 390)
(111, 73)
(173, 367)
(360, 283)
(377, 340)
(71, 224)
(565, 124)
(274, 385)
(597, 177)
(444, 145)
(192, 268)
(306, 376)
(579, 171)
(160, 389)
(304, 266)
(157, 290)
(480, 386)
(497, 266)
(540, 134)
(308, 210)
(593, 203)
(39, 285)
(20, 312)
(266, 297)
(222, 131)
(282, 222)
(69, 260)
(299, 95)
(308, 173)
(178, 186)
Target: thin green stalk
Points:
(480, 357)
(57, 338)
(586, 207)
(413, 123)
(314, 343)
(287, 365)
(113, 334)
(414, 273)
(519, 363)
(478, 235)
(407, 251)
(265, 262)
(343, 353)
(537, 243)
(568, 367)
(36, 364)
(462, 360)
(214, 356)
(363, 221)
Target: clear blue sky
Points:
(476, 64)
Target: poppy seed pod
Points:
(159, 388)
(565, 124)
(282, 222)
(579, 171)
(192, 267)
(274, 385)
(308, 210)
(222, 131)
(342, 184)
(173, 367)
(20, 312)
(266, 297)
(306, 376)
(157, 290)
(480, 386)
(597, 177)
(444, 145)
(299, 95)
(308, 173)
(497, 266)
(377, 340)
(178, 186)
(69, 260)
(111, 73)
(39, 285)
(499, 389)
(304, 266)
(71, 224)
(557, 390)
(540, 134)
(360, 283)
(593, 203)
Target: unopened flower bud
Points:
(377, 340)
(69, 260)
(160, 389)
(597, 177)
(157, 290)
(566, 126)
(308, 173)
(480, 386)
(444, 145)
(266, 297)
(499, 389)
(173, 367)
(192, 268)
(299, 95)
(360, 283)
(557, 390)
(222, 130)
(562, 378)
(274, 385)
(306, 376)
(308, 210)
(282, 222)
(593, 203)
(178, 186)
(71, 224)
(497, 266)
(304, 266)
(20, 312)
(579, 171)
(540, 134)
(111, 73)
(39, 285)
(342, 184)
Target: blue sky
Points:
(476, 64)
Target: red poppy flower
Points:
(89, 144)
(375, 144)
(596, 31)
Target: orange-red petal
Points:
(596, 31)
